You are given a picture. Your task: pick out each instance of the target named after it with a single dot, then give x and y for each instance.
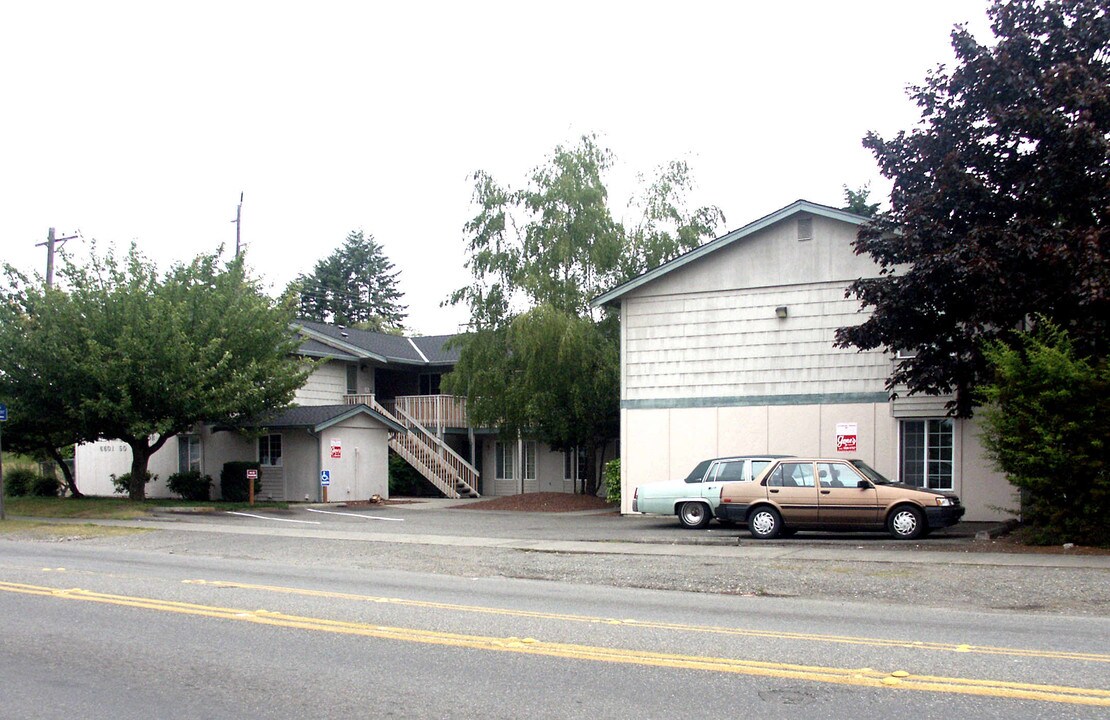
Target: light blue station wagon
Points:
(695, 498)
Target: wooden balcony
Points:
(435, 412)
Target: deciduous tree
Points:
(143, 356)
(538, 361)
(1000, 200)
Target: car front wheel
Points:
(694, 515)
(906, 523)
(765, 523)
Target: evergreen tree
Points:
(356, 286)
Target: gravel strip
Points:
(941, 585)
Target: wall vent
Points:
(805, 228)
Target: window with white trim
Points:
(269, 450)
(575, 464)
(926, 450)
(503, 456)
(188, 453)
(528, 461)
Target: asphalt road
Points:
(107, 630)
(949, 571)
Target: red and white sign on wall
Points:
(336, 449)
(846, 435)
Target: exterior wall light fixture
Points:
(780, 312)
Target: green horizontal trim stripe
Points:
(756, 400)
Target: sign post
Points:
(252, 475)
(325, 481)
(3, 419)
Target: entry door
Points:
(792, 487)
(846, 499)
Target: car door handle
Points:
(774, 490)
(825, 492)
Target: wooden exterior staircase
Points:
(423, 449)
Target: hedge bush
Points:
(190, 485)
(45, 486)
(233, 481)
(18, 481)
(1046, 424)
(613, 481)
(122, 483)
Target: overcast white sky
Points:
(144, 121)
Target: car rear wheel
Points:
(906, 523)
(765, 523)
(694, 515)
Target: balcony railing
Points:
(436, 412)
(424, 448)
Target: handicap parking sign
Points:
(325, 477)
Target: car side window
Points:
(730, 471)
(775, 478)
(698, 473)
(759, 466)
(795, 475)
(836, 475)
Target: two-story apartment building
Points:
(368, 393)
(728, 349)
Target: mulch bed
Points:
(552, 502)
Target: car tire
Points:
(906, 522)
(694, 515)
(765, 523)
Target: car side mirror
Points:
(866, 485)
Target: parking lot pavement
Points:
(437, 524)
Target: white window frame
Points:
(266, 459)
(503, 457)
(185, 447)
(930, 461)
(529, 453)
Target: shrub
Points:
(233, 481)
(190, 485)
(613, 481)
(122, 483)
(45, 486)
(18, 481)
(1046, 425)
(405, 481)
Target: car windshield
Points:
(872, 474)
(698, 472)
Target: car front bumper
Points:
(942, 517)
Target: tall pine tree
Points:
(356, 286)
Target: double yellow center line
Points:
(865, 677)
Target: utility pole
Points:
(52, 245)
(238, 224)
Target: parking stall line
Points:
(264, 517)
(358, 515)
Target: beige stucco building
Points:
(368, 393)
(728, 349)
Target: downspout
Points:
(319, 466)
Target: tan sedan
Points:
(834, 494)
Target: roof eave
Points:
(723, 241)
(326, 339)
